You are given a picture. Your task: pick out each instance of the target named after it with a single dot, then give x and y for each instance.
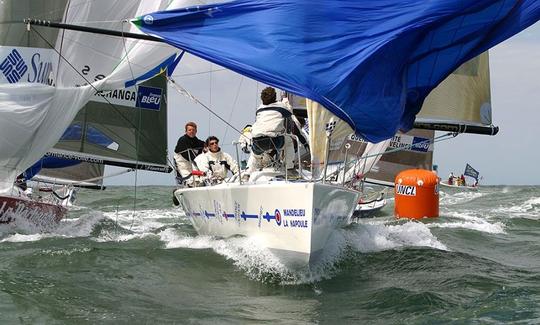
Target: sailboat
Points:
(47, 76)
(348, 67)
(127, 135)
(460, 183)
(337, 63)
(460, 104)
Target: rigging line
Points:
(257, 94)
(90, 22)
(210, 94)
(87, 81)
(234, 105)
(62, 40)
(183, 91)
(198, 73)
(137, 132)
(129, 170)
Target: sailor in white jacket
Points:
(268, 130)
(216, 163)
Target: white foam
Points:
(250, 255)
(65, 252)
(469, 221)
(529, 209)
(375, 237)
(145, 220)
(112, 237)
(21, 238)
(79, 227)
(459, 197)
(67, 228)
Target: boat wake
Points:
(247, 254)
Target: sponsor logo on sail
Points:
(26, 65)
(408, 190)
(148, 19)
(13, 67)
(149, 98)
(420, 144)
(410, 143)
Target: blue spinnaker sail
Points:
(370, 62)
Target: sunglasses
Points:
(212, 143)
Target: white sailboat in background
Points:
(48, 76)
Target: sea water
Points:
(128, 256)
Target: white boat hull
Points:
(293, 220)
(459, 187)
(366, 210)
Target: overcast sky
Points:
(508, 158)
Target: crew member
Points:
(215, 163)
(187, 149)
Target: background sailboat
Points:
(48, 76)
(460, 182)
(117, 132)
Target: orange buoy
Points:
(416, 194)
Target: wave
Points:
(375, 236)
(468, 220)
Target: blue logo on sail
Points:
(149, 98)
(13, 67)
(420, 144)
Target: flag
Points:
(469, 171)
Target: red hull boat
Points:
(42, 214)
